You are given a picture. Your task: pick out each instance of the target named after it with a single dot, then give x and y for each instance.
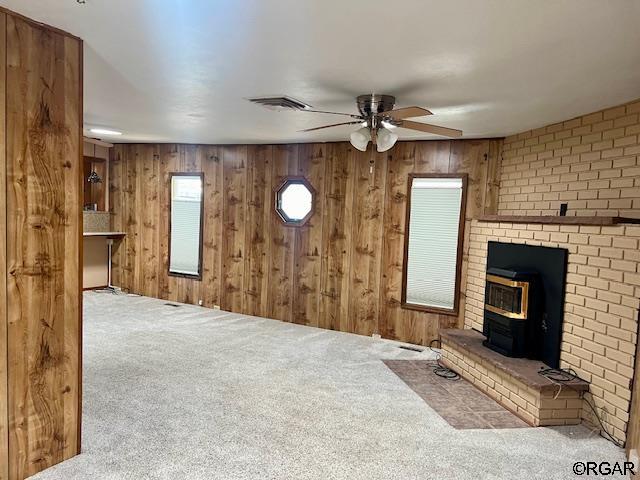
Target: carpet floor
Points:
(192, 393)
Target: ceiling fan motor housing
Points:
(373, 104)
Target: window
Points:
(185, 247)
(294, 201)
(433, 244)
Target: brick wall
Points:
(592, 163)
(601, 308)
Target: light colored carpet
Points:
(191, 393)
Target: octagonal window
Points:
(294, 201)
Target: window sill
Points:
(185, 275)
(425, 309)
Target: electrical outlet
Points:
(200, 302)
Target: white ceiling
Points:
(179, 71)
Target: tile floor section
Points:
(458, 402)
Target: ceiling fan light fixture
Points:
(105, 131)
(386, 139)
(361, 138)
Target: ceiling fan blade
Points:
(407, 112)
(352, 115)
(329, 126)
(425, 127)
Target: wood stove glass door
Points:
(507, 297)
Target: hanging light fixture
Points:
(361, 138)
(94, 177)
(385, 139)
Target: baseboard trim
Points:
(94, 288)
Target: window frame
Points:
(294, 179)
(200, 245)
(459, 253)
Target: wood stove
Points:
(524, 300)
(513, 312)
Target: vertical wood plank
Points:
(4, 427)
(395, 321)
(432, 156)
(137, 198)
(281, 271)
(336, 237)
(492, 178)
(258, 227)
(469, 157)
(130, 195)
(149, 214)
(212, 235)
(44, 178)
(233, 248)
(116, 207)
(169, 163)
(308, 240)
(366, 253)
(73, 181)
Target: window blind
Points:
(186, 209)
(433, 241)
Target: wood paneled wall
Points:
(342, 270)
(4, 412)
(41, 229)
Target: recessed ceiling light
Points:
(104, 131)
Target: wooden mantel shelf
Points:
(557, 220)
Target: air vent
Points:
(280, 103)
(413, 349)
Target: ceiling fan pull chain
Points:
(372, 162)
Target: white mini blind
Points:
(186, 209)
(433, 241)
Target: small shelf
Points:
(557, 220)
(104, 234)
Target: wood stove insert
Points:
(524, 301)
(513, 313)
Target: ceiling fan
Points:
(377, 118)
